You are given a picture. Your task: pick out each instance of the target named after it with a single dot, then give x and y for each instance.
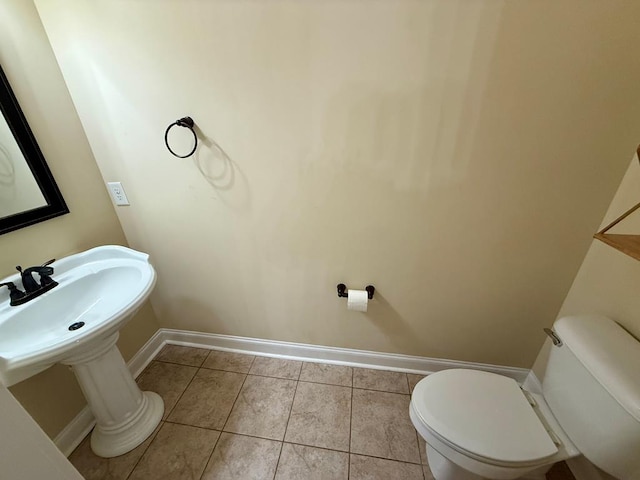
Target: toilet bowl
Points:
(483, 425)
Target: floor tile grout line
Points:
(349, 452)
(290, 411)
(226, 420)
(286, 427)
(156, 358)
(182, 394)
(210, 455)
(275, 440)
(162, 420)
(222, 431)
(299, 372)
(316, 446)
(282, 442)
(253, 357)
(266, 438)
(280, 378)
(382, 391)
(417, 438)
(206, 368)
(175, 363)
(338, 451)
(284, 360)
(326, 384)
(207, 357)
(384, 458)
(420, 455)
(200, 427)
(289, 378)
(159, 427)
(275, 470)
(350, 426)
(246, 375)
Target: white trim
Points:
(75, 431)
(532, 384)
(335, 355)
(149, 350)
(71, 436)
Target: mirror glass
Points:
(28, 192)
(19, 190)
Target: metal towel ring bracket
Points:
(186, 122)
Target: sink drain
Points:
(76, 326)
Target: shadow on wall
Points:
(222, 173)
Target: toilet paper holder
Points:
(342, 290)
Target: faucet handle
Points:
(45, 273)
(48, 262)
(28, 282)
(14, 293)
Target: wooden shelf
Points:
(629, 244)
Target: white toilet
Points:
(483, 425)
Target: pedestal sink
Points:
(77, 323)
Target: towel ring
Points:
(186, 122)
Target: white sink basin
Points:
(102, 287)
(98, 291)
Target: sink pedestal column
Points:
(125, 416)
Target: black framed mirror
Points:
(28, 191)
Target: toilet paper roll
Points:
(357, 300)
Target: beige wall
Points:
(457, 155)
(607, 282)
(53, 397)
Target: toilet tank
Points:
(592, 385)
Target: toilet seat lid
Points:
(484, 414)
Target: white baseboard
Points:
(71, 436)
(78, 428)
(149, 350)
(335, 355)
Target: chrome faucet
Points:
(32, 288)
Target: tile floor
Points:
(232, 416)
